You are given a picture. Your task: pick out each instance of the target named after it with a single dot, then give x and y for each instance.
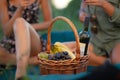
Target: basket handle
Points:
(72, 27)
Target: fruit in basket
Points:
(59, 56)
(54, 49)
(43, 55)
(59, 47)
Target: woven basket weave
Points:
(79, 64)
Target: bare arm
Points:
(108, 8)
(7, 24)
(82, 13)
(112, 11)
(95, 60)
(46, 11)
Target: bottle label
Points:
(82, 49)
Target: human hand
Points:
(82, 16)
(24, 3)
(95, 2)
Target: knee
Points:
(19, 24)
(19, 20)
(115, 56)
(116, 48)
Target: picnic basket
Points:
(79, 64)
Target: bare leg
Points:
(115, 56)
(95, 60)
(35, 44)
(27, 41)
(22, 38)
(35, 40)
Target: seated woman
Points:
(19, 19)
(105, 22)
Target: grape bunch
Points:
(59, 56)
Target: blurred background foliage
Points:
(71, 12)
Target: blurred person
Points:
(20, 23)
(104, 27)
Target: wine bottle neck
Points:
(86, 23)
(85, 28)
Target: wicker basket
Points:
(79, 64)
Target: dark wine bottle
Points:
(84, 34)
